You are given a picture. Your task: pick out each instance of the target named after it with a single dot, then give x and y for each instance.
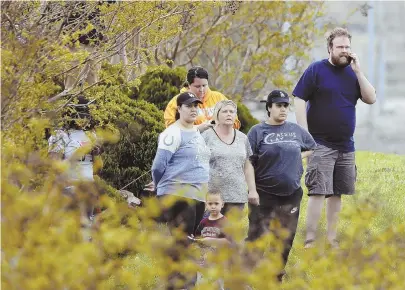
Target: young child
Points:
(209, 233)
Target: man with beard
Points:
(331, 88)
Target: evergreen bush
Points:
(138, 123)
(132, 156)
(245, 117)
(159, 85)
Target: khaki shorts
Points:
(330, 172)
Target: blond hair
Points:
(214, 193)
(220, 105)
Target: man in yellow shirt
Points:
(197, 81)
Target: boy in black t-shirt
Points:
(209, 233)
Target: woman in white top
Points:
(231, 173)
(70, 144)
(181, 169)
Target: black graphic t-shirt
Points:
(211, 228)
(277, 157)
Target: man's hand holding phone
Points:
(354, 62)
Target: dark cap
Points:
(277, 96)
(187, 98)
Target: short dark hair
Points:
(337, 32)
(268, 105)
(177, 115)
(196, 72)
(75, 111)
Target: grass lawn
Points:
(380, 179)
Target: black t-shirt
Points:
(277, 157)
(332, 93)
(211, 228)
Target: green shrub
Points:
(138, 124)
(160, 84)
(105, 189)
(132, 156)
(246, 118)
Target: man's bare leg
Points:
(333, 207)
(314, 209)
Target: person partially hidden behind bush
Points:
(197, 83)
(180, 171)
(75, 144)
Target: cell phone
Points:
(349, 59)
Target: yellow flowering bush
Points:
(46, 243)
(45, 246)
